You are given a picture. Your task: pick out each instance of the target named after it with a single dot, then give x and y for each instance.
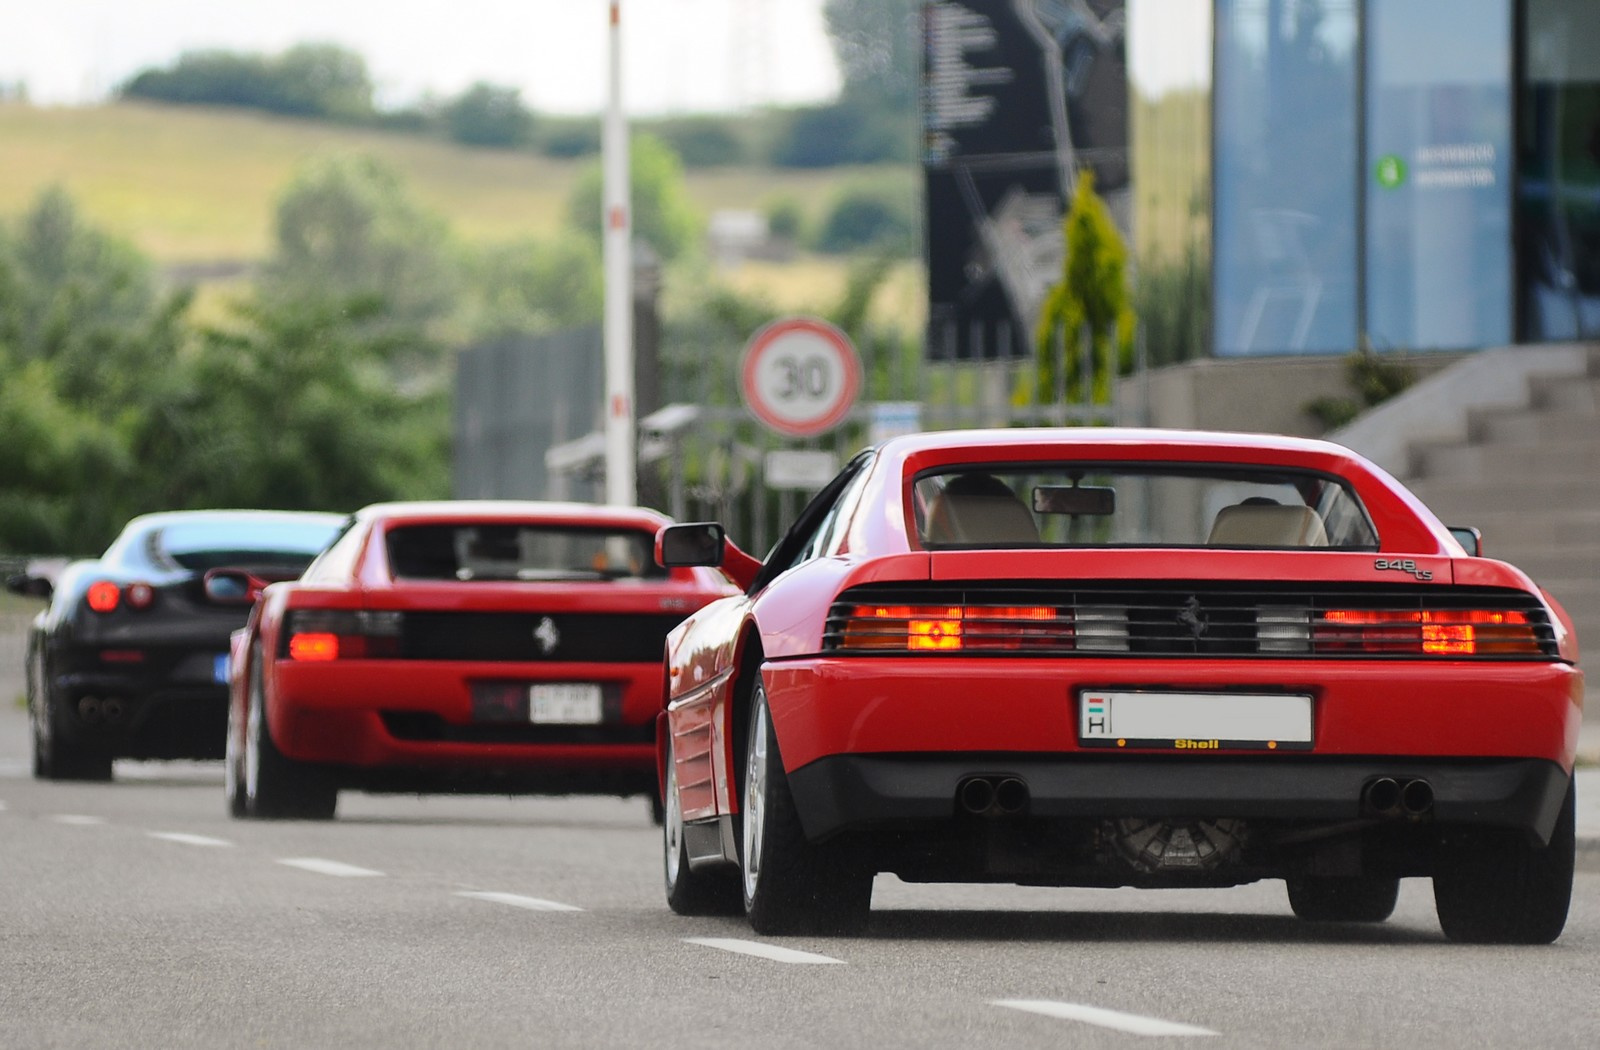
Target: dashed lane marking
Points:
(1134, 1024)
(77, 819)
(329, 867)
(187, 839)
(517, 901)
(763, 951)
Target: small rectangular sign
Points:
(564, 703)
(1194, 721)
(796, 468)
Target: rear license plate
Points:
(219, 668)
(564, 703)
(1194, 721)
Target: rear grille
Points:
(1206, 619)
(556, 637)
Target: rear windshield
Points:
(520, 552)
(1144, 505)
(198, 546)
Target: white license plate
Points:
(1194, 721)
(564, 703)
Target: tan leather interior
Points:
(979, 509)
(1267, 525)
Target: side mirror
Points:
(29, 586)
(695, 543)
(1468, 537)
(232, 587)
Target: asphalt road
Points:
(136, 914)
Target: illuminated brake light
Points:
(103, 596)
(948, 628)
(314, 646)
(1464, 632)
(936, 634)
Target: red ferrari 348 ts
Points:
(1101, 657)
(456, 646)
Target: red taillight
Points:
(947, 628)
(103, 596)
(140, 595)
(314, 646)
(1447, 632)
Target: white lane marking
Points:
(1095, 1015)
(187, 839)
(762, 951)
(329, 867)
(516, 901)
(77, 819)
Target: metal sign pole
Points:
(620, 438)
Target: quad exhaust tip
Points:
(1398, 797)
(993, 796)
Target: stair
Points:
(1528, 476)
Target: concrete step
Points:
(1578, 562)
(1530, 426)
(1528, 492)
(1555, 392)
(1536, 529)
(1439, 463)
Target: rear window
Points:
(1143, 505)
(198, 546)
(500, 551)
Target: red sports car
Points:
(457, 646)
(1100, 657)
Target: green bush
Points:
(876, 215)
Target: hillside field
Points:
(194, 188)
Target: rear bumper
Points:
(379, 718)
(849, 792)
(142, 716)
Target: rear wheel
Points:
(713, 891)
(1503, 889)
(1364, 898)
(276, 787)
(791, 886)
(54, 757)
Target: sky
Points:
(679, 55)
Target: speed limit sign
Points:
(801, 376)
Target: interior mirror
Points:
(693, 543)
(1074, 499)
(1468, 537)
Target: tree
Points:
(486, 115)
(1089, 302)
(663, 215)
(348, 231)
(536, 286)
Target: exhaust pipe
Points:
(1011, 796)
(89, 710)
(1416, 798)
(1382, 796)
(111, 709)
(976, 794)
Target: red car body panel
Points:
(831, 705)
(332, 712)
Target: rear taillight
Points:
(951, 628)
(1434, 632)
(104, 596)
(140, 595)
(343, 634)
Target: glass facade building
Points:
(1311, 176)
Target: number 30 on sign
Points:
(801, 376)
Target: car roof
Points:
(553, 512)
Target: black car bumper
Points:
(139, 716)
(852, 792)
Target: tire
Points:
(1365, 898)
(1503, 889)
(276, 787)
(233, 768)
(790, 885)
(713, 891)
(54, 757)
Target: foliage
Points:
(535, 286)
(568, 136)
(845, 132)
(785, 217)
(702, 140)
(1373, 378)
(346, 231)
(1172, 300)
(880, 215)
(310, 80)
(486, 115)
(663, 215)
(1090, 301)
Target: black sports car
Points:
(130, 659)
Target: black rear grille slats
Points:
(567, 637)
(1202, 619)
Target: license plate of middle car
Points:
(1194, 721)
(564, 703)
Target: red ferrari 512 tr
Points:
(457, 646)
(1102, 657)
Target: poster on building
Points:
(1019, 96)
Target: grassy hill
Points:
(191, 187)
